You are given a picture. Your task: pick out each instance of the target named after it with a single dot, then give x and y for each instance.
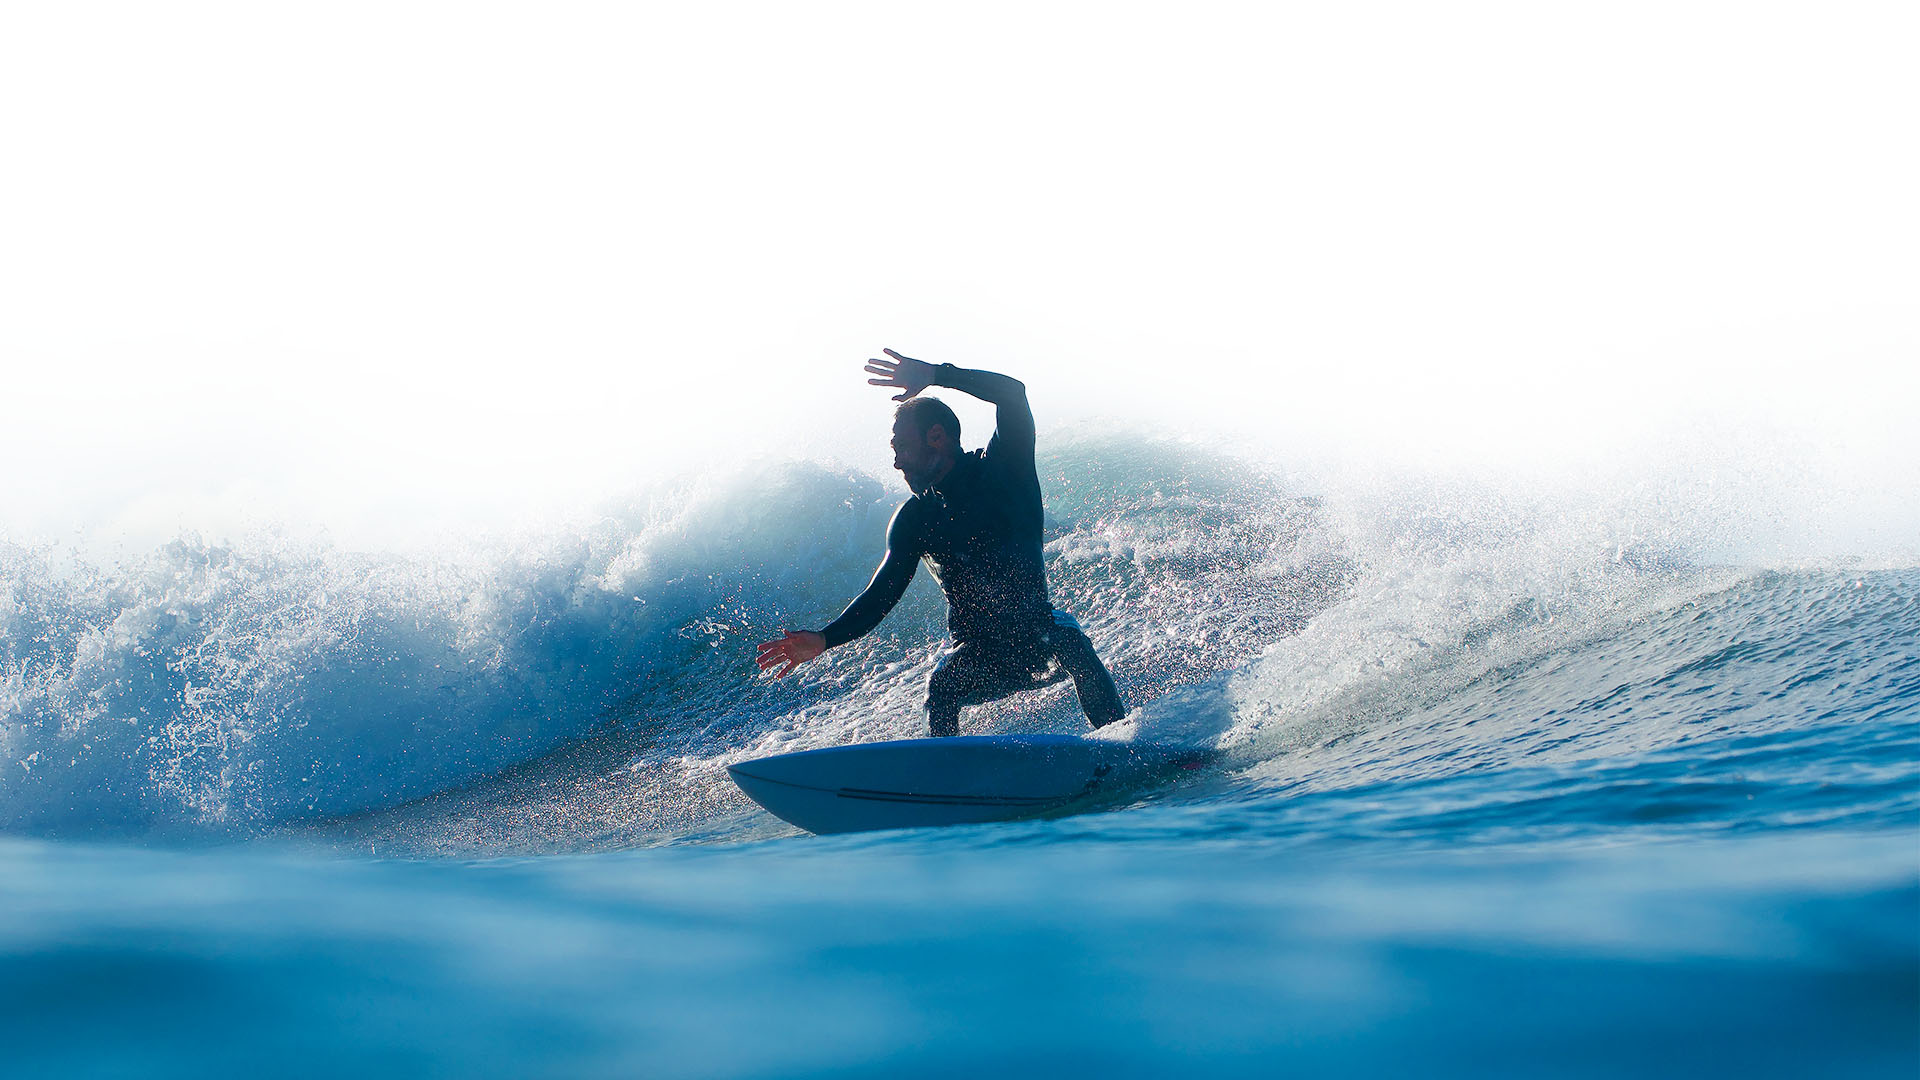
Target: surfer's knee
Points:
(1065, 633)
(1074, 650)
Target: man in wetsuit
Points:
(975, 520)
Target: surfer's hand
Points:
(784, 654)
(904, 372)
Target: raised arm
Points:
(1013, 419)
(889, 583)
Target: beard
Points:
(918, 480)
(923, 471)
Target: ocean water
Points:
(1510, 785)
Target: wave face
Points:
(229, 689)
(586, 688)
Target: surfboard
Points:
(965, 779)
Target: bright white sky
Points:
(393, 267)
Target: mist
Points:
(400, 274)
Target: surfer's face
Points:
(916, 455)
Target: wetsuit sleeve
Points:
(888, 585)
(1012, 418)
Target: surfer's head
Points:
(926, 441)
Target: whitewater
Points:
(1511, 781)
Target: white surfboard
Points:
(953, 781)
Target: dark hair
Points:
(928, 411)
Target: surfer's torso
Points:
(978, 529)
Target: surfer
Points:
(974, 518)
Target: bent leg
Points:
(1099, 698)
(969, 674)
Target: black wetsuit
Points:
(979, 531)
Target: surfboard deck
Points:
(964, 779)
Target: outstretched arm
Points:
(1013, 419)
(889, 583)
